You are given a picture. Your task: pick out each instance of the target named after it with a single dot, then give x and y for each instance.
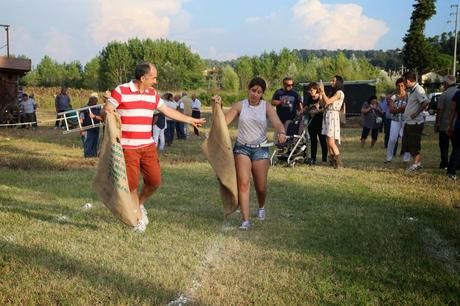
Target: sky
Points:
(69, 30)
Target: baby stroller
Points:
(294, 150)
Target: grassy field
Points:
(367, 234)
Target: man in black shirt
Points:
(287, 101)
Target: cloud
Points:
(122, 20)
(213, 53)
(336, 26)
(58, 45)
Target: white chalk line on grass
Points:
(203, 266)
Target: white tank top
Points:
(252, 125)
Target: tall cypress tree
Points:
(418, 53)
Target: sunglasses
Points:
(289, 85)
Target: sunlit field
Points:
(366, 234)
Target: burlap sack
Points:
(111, 182)
(218, 149)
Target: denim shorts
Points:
(252, 153)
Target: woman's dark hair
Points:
(398, 81)
(258, 81)
(338, 84)
(374, 97)
(167, 96)
(313, 85)
(142, 69)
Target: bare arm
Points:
(327, 101)
(178, 116)
(422, 106)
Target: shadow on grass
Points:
(46, 213)
(141, 289)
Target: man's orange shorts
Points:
(145, 159)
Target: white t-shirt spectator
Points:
(171, 104)
(196, 105)
(28, 107)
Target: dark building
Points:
(11, 69)
(356, 93)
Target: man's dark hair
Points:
(25, 95)
(398, 81)
(142, 69)
(287, 79)
(258, 81)
(410, 75)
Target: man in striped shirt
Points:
(136, 102)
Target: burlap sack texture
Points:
(218, 149)
(111, 182)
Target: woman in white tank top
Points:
(251, 156)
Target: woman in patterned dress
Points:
(331, 120)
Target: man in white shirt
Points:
(180, 127)
(196, 111)
(27, 107)
(414, 119)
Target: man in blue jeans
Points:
(92, 135)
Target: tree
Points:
(244, 70)
(91, 74)
(116, 65)
(230, 80)
(418, 53)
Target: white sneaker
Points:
(140, 227)
(245, 225)
(414, 168)
(144, 215)
(261, 214)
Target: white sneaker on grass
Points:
(140, 227)
(144, 215)
(414, 168)
(261, 214)
(245, 226)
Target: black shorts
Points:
(374, 134)
(412, 138)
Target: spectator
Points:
(453, 131)
(386, 117)
(251, 156)
(180, 126)
(397, 105)
(138, 96)
(414, 120)
(32, 98)
(170, 123)
(196, 111)
(331, 120)
(62, 104)
(442, 118)
(27, 108)
(188, 109)
(372, 120)
(159, 131)
(89, 117)
(315, 126)
(287, 101)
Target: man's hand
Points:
(198, 122)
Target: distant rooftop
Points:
(15, 65)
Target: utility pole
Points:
(454, 72)
(7, 26)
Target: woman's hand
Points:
(216, 99)
(281, 137)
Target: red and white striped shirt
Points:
(136, 113)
